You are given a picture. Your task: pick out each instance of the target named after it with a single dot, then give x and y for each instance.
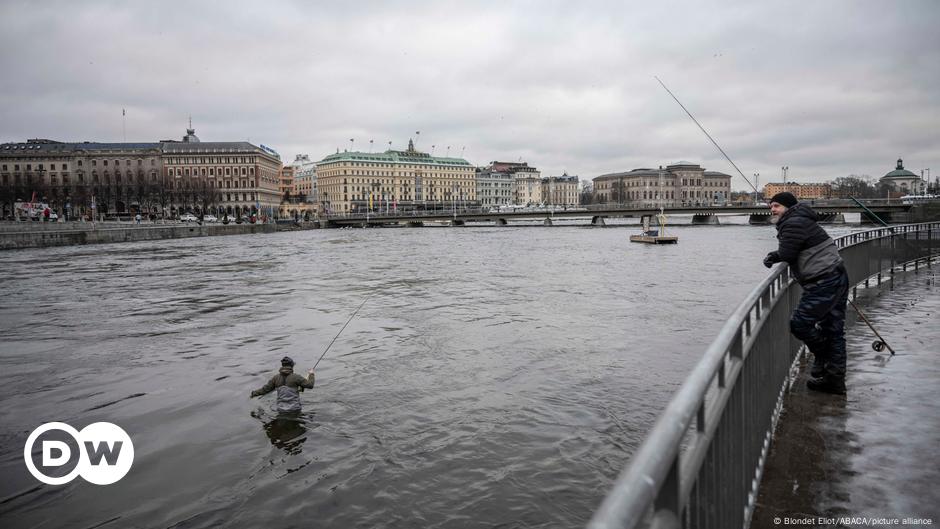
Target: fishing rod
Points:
(878, 344)
(341, 330)
(715, 143)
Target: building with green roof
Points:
(903, 182)
(353, 182)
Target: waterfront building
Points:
(809, 191)
(305, 179)
(352, 182)
(222, 178)
(494, 183)
(161, 178)
(117, 177)
(560, 190)
(300, 193)
(679, 184)
(900, 181)
(528, 186)
(285, 182)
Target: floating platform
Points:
(655, 239)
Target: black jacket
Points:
(804, 245)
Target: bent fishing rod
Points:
(341, 330)
(878, 344)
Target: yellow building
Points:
(560, 190)
(350, 183)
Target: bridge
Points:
(830, 210)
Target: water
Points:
(496, 377)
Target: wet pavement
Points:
(870, 458)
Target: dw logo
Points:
(102, 453)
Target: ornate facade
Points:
(165, 178)
(679, 184)
(359, 182)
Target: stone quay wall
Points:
(86, 234)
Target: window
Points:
(105, 163)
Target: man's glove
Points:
(772, 257)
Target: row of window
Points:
(79, 163)
(211, 159)
(245, 171)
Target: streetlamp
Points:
(756, 187)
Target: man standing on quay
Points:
(819, 319)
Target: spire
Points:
(190, 136)
(411, 145)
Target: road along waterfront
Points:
(496, 376)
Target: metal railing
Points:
(701, 463)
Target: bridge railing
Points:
(701, 463)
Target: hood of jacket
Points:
(285, 370)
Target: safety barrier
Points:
(701, 463)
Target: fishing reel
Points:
(878, 345)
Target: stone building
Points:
(679, 184)
(163, 178)
(352, 182)
(560, 190)
(528, 186)
(223, 178)
(800, 191)
(299, 189)
(496, 183)
(901, 182)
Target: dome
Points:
(190, 136)
(900, 172)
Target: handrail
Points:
(750, 363)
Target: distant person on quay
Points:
(289, 385)
(819, 319)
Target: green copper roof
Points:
(413, 157)
(900, 172)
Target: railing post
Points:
(668, 497)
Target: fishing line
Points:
(707, 134)
(343, 329)
(879, 344)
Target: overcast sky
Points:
(826, 88)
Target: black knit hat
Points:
(785, 199)
(287, 362)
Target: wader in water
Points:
(288, 385)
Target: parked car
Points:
(210, 218)
(188, 217)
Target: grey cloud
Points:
(827, 88)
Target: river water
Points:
(494, 377)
